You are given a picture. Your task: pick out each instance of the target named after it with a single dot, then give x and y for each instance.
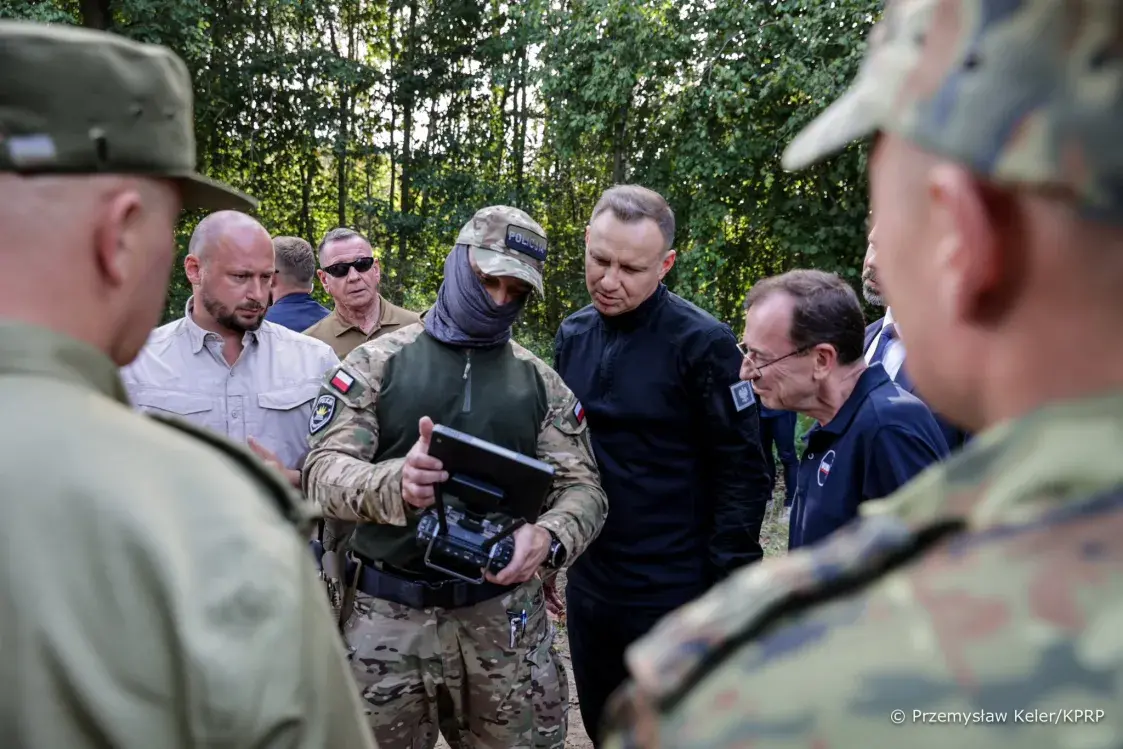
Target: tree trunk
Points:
(96, 14)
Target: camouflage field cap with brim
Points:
(506, 242)
(79, 101)
(1023, 93)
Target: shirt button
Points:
(234, 414)
(811, 456)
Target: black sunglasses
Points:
(339, 270)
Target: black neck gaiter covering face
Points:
(465, 314)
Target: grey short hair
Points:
(631, 203)
(826, 310)
(336, 235)
(295, 261)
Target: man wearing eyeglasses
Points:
(803, 352)
(350, 273)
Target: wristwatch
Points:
(555, 558)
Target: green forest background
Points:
(401, 118)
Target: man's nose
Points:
(749, 370)
(610, 280)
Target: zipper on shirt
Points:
(467, 382)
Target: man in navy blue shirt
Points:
(676, 437)
(803, 352)
(883, 345)
(293, 305)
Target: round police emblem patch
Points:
(825, 467)
(322, 412)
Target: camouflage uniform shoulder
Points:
(291, 506)
(564, 409)
(357, 379)
(685, 645)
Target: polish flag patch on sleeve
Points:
(579, 412)
(342, 381)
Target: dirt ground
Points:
(773, 539)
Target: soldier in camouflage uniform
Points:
(982, 604)
(431, 651)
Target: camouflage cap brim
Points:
(853, 117)
(202, 192)
(874, 100)
(498, 264)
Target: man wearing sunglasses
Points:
(350, 273)
(803, 352)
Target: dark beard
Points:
(227, 318)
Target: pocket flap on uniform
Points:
(288, 398)
(176, 403)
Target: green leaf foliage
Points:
(401, 118)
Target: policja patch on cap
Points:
(79, 101)
(506, 242)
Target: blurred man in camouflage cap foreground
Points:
(155, 591)
(432, 651)
(989, 590)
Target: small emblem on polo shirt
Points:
(825, 467)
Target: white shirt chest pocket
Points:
(197, 408)
(283, 415)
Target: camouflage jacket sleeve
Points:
(339, 474)
(577, 503)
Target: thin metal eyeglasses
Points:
(745, 352)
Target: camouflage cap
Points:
(507, 242)
(1026, 93)
(78, 101)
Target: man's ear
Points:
(193, 269)
(825, 359)
(668, 263)
(119, 237)
(587, 227)
(976, 270)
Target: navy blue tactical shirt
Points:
(880, 439)
(296, 312)
(676, 437)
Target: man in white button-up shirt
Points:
(222, 365)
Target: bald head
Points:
(230, 265)
(87, 256)
(225, 227)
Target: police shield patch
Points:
(321, 413)
(742, 395)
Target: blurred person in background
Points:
(293, 305)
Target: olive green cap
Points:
(78, 101)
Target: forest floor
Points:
(773, 539)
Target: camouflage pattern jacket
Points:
(366, 420)
(979, 606)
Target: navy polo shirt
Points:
(296, 312)
(880, 439)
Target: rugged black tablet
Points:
(484, 474)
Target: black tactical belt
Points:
(418, 594)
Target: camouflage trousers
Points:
(456, 671)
